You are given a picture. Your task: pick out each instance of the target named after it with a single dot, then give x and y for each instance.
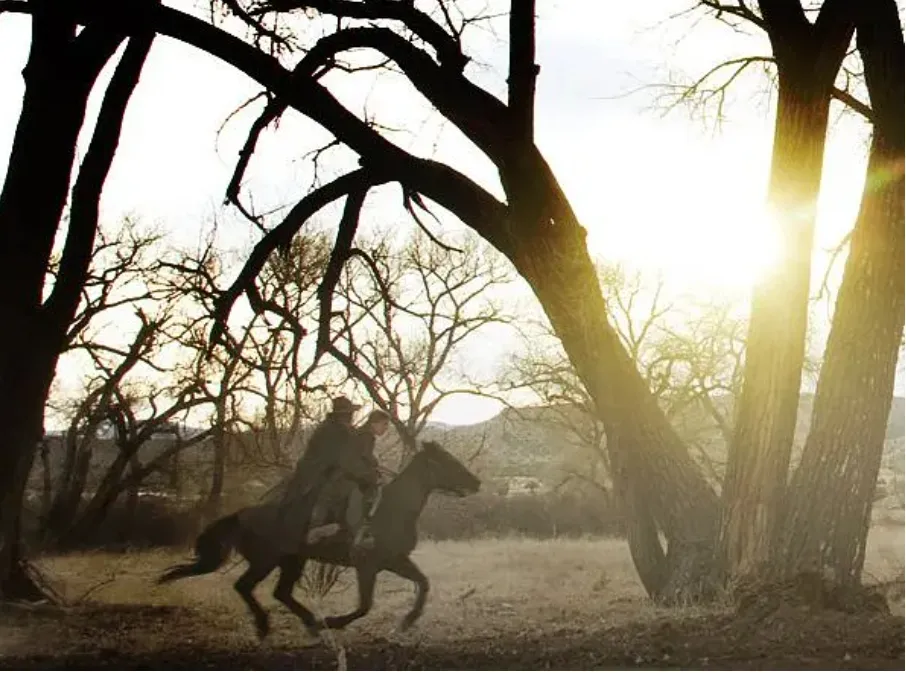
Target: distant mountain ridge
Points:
(523, 441)
(514, 443)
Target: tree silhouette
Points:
(62, 68)
(406, 320)
(856, 382)
(832, 491)
(532, 224)
(535, 226)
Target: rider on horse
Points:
(332, 452)
(366, 436)
(343, 500)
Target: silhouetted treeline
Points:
(155, 522)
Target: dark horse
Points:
(393, 527)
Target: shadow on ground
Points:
(789, 638)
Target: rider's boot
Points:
(318, 533)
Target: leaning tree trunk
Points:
(654, 468)
(641, 530)
(832, 491)
(662, 488)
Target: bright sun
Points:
(723, 247)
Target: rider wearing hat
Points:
(331, 451)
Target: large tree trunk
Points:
(653, 467)
(59, 75)
(808, 53)
(660, 485)
(759, 455)
(23, 429)
(34, 192)
(833, 488)
(641, 531)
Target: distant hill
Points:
(527, 441)
(516, 442)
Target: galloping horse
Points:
(393, 527)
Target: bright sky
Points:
(670, 195)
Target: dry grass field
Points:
(511, 603)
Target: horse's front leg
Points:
(365, 578)
(405, 567)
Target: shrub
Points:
(543, 515)
(158, 522)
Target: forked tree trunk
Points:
(641, 532)
(71, 486)
(23, 429)
(31, 204)
(759, 457)
(833, 488)
(61, 70)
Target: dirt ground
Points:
(494, 604)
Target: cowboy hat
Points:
(343, 405)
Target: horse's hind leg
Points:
(245, 586)
(365, 577)
(291, 569)
(404, 567)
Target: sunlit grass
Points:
(479, 589)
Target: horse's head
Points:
(447, 473)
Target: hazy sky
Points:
(665, 194)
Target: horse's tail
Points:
(212, 549)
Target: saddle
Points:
(341, 508)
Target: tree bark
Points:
(641, 532)
(832, 490)
(808, 58)
(762, 442)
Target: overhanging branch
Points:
(446, 46)
(281, 235)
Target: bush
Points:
(157, 522)
(543, 515)
(153, 522)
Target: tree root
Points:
(27, 584)
(691, 577)
(758, 598)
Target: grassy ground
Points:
(493, 604)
